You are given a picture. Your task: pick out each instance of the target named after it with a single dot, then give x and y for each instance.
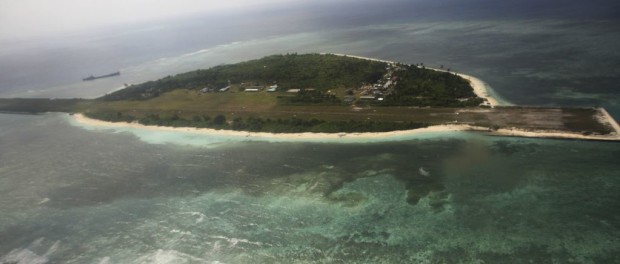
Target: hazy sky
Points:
(22, 18)
(26, 18)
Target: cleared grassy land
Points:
(188, 104)
(389, 96)
(191, 100)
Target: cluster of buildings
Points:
(382, 87)
(367, 92)
(256, 88)
(213, 90)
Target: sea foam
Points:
(191, 137)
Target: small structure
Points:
(424, 172)
(207, 90)
(252, 90)
(225, 89)
(367, 97)
(272, 88)
(387, 84)
(293, 90)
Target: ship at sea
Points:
(92, 77)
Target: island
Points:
(333, 95)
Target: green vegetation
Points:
(310, 97)
(332, 94)
(254, 124)
(316, 71)
(421, 87)
(321, 79)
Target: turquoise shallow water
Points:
(217, 138)
(89, 196)
(73, 194)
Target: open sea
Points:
(76, 194)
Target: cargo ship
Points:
(92, 77)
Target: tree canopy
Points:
(316, 71)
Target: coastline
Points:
(481, 89)
(514, 132)
(309, 136)
(607, 118)
(82, 119)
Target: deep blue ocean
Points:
(75, 194)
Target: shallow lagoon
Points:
(69, 194)
(89, 196)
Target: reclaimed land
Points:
(323, 93)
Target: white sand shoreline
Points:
(80, 118)
(481, 89)
(308, 136)
(514, 132)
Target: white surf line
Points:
(80, 118)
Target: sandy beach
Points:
(81, 119)
(605, 117)
(614, 136)
(481, 89)
(553, 134)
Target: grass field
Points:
(190, 104)
(187, 104)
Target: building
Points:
(207, 90)
(387, 84)
(272, 88)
